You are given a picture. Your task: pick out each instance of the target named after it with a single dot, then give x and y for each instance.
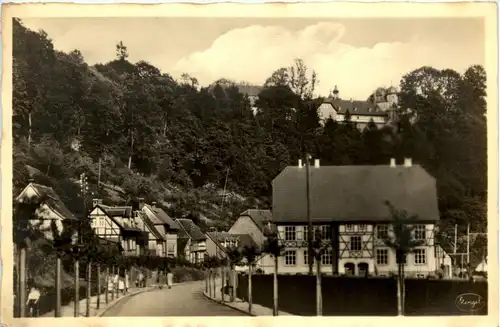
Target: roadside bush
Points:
(187, 274)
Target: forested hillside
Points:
(177, 143)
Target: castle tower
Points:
(392, 95)
(335, 93)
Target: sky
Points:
(356, 54)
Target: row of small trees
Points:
(401, 239)
(71, 241)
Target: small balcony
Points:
(131, 253)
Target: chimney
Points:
(300, 163)
(393, 162)
(408, 162)
(153, 204)
(316, 163)
(141, 203)
(96, 202)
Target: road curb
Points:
(115, 302)
(228, 305)
(148, 289)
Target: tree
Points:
(403, 241)
(273, 246)
(121, 51)
(25, 232)
(295, 78)
(319, 246)
(234, 255)
(250, 254)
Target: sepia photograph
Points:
(184, 166)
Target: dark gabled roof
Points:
(356, 107)
(161, 217)
(150, 225)
(118, 214)
(259, 217)
(122, 211)
(190, 229)
(244, 239)
(52, 200)
(354, 193)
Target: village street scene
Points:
(187, 184)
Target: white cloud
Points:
(254, 52)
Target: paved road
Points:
(181, 300)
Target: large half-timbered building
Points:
(118, 224)
(349, 205)
(164, 224)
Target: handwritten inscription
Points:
(469, 302)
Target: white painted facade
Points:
(326, 110)
(103, 225)
(360, 247)
(46, 215)
(171, 245)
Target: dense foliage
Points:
(178, 143)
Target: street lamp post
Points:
(83, 191)
(309, 217)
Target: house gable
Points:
(354, 193)
(51, 208)
(104, 225)
(246, 225)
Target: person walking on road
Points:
(126, 283)
(161, 279)
(170, 279)
(33, 302)
(140, 280)
(121, 286)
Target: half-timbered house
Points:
(156, 240)
(167, 227)
(51, 210)
(348, 203)
(117, 224)
(192, 243)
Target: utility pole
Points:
(468, 248)
(310, 256)
(83, 191)
(224, 192)
(455, 243)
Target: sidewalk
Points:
(69, 310)
(240, 305)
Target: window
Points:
(326, 257)
(382, 232)
(290, 258)
(349, 227)
(362, 228)
(420, 258)
(289, 233)
(306, 257)
(420, 232)
(102, 222)
(303, 234)
(326, 232)
(355, 244)
(382, 256)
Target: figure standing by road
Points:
(33, 301)
(161, 279)
(170, 278)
